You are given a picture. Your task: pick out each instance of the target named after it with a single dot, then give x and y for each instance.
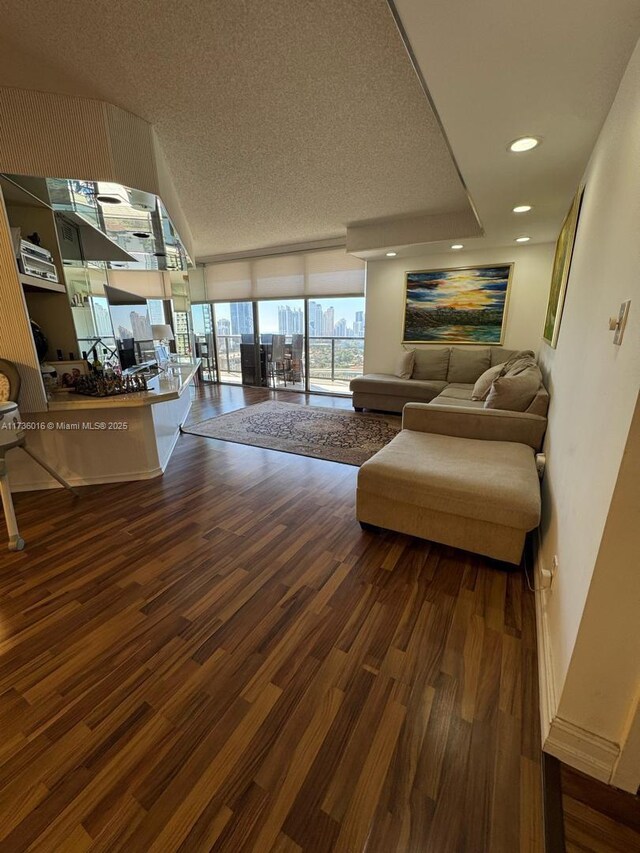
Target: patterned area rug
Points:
(334, 434)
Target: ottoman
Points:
(478, 495)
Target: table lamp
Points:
(163, 333)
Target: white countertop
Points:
(168, 385)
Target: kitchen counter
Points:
(91, 440)
(170, 384)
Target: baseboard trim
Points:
(546, 679)
(50, 483)
(573, 745)
(582, 749)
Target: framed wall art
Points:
(467, 305)
(561, 268)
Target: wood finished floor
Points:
(597, 817)
(219, 659)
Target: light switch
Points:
(617, 324)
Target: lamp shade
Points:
(162, 332)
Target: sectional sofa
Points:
(444, 377)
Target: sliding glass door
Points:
(234, 333)
(312, 345)
(336, 343)
(282, 341)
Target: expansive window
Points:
(204, 340)
(336, 342)
(281, 327)
(314, 300)
(233, 326)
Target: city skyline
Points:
(341, 317)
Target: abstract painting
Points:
(560, 274)
(458, 306)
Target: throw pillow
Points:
(514, 393)
(431, 363)
(484, 382)
(404, 365)
(466, 365)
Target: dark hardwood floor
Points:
(220, 659)
(597, 817)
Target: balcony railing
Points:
(333, 360)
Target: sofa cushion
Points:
(499, 355)
(404, 364)
(457, 391)
(466, 365)
(431, 364)
(419, 391)
(515, 392)
(494, 481)
(467, 402)
(485, 381)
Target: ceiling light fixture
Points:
(457, 246)
(524, 143)
(143, 235)
(522, 208)
(391, 254)
(522, 239)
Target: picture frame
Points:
(69, 368)
(457, 305)
(561, 269)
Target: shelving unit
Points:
(32, 283)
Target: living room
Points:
(294, 562)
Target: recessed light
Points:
(524, 143)
(522, 239)
(457, 246)
(391, 254)
(143, 235)
(522, 208)
(108, 199)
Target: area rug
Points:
(334, 434)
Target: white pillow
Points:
(404, 364)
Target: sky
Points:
(461, 289)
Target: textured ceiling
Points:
(281, 121)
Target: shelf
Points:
(32, 281)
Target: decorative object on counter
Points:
(69, 372)
(466, 305)
(96, 385)
(561, 269)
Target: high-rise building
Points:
(103, 326)
(358, 325)
(328, 322)
(316, 328)
(290, 320)
(223, 326)
(241, 318)
(340, 328)
(140, 326)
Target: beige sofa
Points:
(444, 378)
(471, 489)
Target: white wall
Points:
(385, 297)
(594, 390)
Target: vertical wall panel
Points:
(16, 341)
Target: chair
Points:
(277, 360)
(295, 362)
